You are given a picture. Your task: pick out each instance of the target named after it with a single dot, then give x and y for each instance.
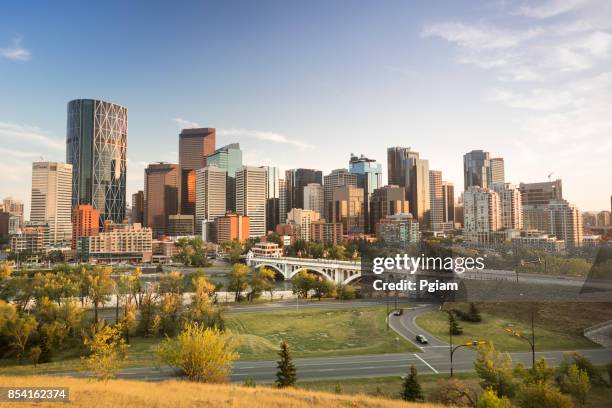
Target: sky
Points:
(305, 84)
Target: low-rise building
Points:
(33, 238)
(180, 225)
(118, 243)
(267, 249)
(232, 227)
(398, 229)
(537, 240)
(326, 232)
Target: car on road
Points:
(421, 339)
(398, 312)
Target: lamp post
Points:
(531, 341)
(468, 344)
(450, 336)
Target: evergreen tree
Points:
(411, 389)
(474, 314)
(454, 327)
(286, 375)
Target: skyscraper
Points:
(296, 180)
(228, 158)
(96, 146)
(85, 221)
(406, 169)
(348, 204)
(369, 177)
(314, 198)
(272, 197)
(436, 200)
(138, 207)
(194, 146)
(511, 207)
(565, 222)
(52, 199)
(541, 193)
(251, 198)
(283, 201)
(498, 174)
(301, 220)
(448, 194)
(161, 195)
(479, 169)
(211, 202)
(14, 208)
(337, 177)
(481, 214)
(387, 201)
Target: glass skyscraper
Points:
(228, 158)
(96, 145)
(369, 177)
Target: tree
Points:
(541, 394)
(171, 282)
(323, 287)
(453, 325)
(238, 280)
(19, 331)
(541, 372)
(453, 392)
(233, 249)
(262, 280)
(100, 285)
(202, 354)
(286, 375)
(107, 351)
(302, 283)
(5, 271)
(494, 370)
(345, 292)
(192, 252)
(576, 383)
(474, 314)
(202, 309)
(411, 389)
(489, 399)
(583, 363)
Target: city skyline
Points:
(434, 78)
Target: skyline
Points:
(300, 86)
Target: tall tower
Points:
(272, 197)
(337, 177)
(210, 196)
(194, 146)
(369, 177)
(251, 198)
(296, 180)
(228, 158)
(96, 147)
(314, 198)
(436, 200)
(52, 199)
(161, 196)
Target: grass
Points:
(316, 333)
(126, 394)
(492, 329)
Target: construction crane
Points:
(550, 174)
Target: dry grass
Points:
(176, 394)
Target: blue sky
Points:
(304, 84)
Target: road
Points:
(434, 357)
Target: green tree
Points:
(286, 374)
(411, 389)
(202, 354)
(576, 383)
(474, 314)
(345, 292)
(238, 280)
(192, 252)
(583, 363)
(541, 372)
(202, 309)
(106, 351)
(453, 325)
(494, 370)
(302, 283)
(541, 394)
(323, 287)
(233, 249)
(489, 399)
(100, 285)
(262, 280)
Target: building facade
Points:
(85, 223)
(481, 214)
(211, 200)
(296, 180)
(232, 227)
(337, 177)
(302, 220)
(272, 197)
(511, 206)
(120, 243)
(228, 158)
(138, 207)
(314, 198)
(194, 146)
(448, 199)
(398, 230)
(251, 198)
(406, 169)
(348, 209)
(161, 196)
(386, 201)
(369, 177)
(326, 232)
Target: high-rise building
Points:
(369, 177)
(498, 174)
(436, 200)
(337, 177)
(314, 198)
(283, 201)
(161, 195)
(301, 220)
(386, 201)
(138, 207)
(15, 208)
(398, 230)
(52, 199)
(448, 195)
(272, 197)
(476, 169)
(228, 158)
(96, 146)
(232, 227)
(348, 205)
(211, 189)
(194, 146)
(296, 180)
(511, 206)
(85, 223)
(541, 193)
(251, 198)
(406, 169)
(481, 214)
(4, 224)
(326, 232)
(565, 222)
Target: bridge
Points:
(338, 271)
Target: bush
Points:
(453, 392)
(489, 399)
(411, 389)
(576, 383)
(583, 363)
(541, 394)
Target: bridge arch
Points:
(327, 274)
(275, 268)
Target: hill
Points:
(124, 394)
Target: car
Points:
(398, 312)
(421, 339)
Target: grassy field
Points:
(126, 394)
(316, 333)
(492, 329)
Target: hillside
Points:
(118, 393)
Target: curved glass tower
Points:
(96, 144)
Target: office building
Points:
(541, 193)
(4, 224)
(228, 158)
(194, 146)
(251, 198)
(119, 243)
(314, 198)
(448, 199)
(511, 206)
(337, 177)
(52, 199)
(537, 240)
(96, 146)
(161, 196)
(85, 223)
(326, 232)
(406, 169)
(369, 177)
(398, 230)
(565, 223)
(481, 214)
(232, 227)
(480, 170)
(348, 209)
(283, 201)
(138, 203)
(180, 225)
(15, 208)
(211, 202)
(296, 180)
(33, 238)
(386, 201)
(272, 197)
(436, 200)
(302, 220)
(498, 174)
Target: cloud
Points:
(30, 133)
(263, 135)
(550, 8)
(186, 124)
(16, 52)
(18, 153)
(479, 37)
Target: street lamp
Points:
(450, 336)
(473, 343)
(531, 341)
